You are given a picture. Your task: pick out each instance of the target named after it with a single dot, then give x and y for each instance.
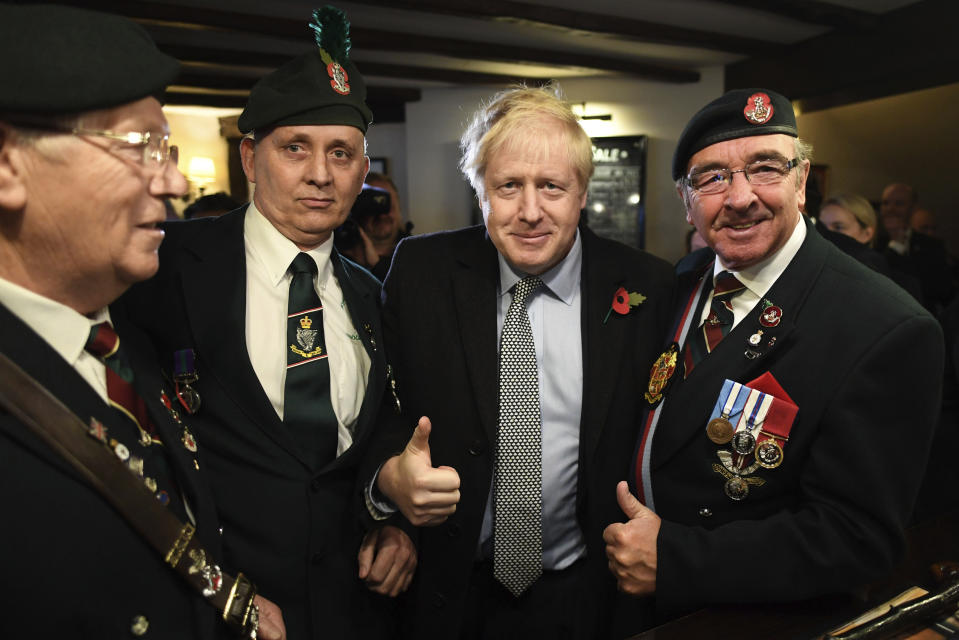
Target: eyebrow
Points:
(762, 154)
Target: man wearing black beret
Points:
(791, 413)
(280, 339)
(104, 498)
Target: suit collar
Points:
(474, 296)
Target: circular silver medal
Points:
(736, 488)
(743, 443)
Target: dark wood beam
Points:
(911, 48)
(582, 21)
(814, 12)
(198, 19)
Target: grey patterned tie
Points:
(518, 501)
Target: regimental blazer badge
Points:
(759, 109)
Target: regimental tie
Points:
(104, 343)
(307, 408)
(718, 323)
(518, 500)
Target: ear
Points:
(366, 171)
(247, 151)
(801, 187)
(13, 191)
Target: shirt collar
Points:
(759, 278)
(562, 279)
(63, 328)
(275, 251)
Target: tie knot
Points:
(303, 263)
(727, 283)
(103, 341)
(524, 287)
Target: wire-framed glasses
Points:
(760, 173)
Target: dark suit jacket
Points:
(72, 566)
(294, 530)
(440, 319)
(928, 261)
(863, 362)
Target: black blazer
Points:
(440, 320)
(863, 362)
(72, 566)
(294, 530)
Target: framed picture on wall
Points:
(616, 206)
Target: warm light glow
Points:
(633, 198)
(202, 171)
(599, 207)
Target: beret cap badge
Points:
(759, 109)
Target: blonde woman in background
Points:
(851, 215)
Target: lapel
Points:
(364, 312)
(149, 384)
(32, 353)
(689, 402)
(603, 344)
(212, 274)
(475, 280)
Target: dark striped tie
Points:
(718, 323)
(104, 343)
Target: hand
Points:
(631, 547)
(387, 561)
(427, 496)
(271, 620)
(369, 251)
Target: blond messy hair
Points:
(519, 116)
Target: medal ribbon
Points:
(644, 491)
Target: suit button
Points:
(439, 600)
(476, 447)
(453, 530)
(317, 557)
(705, 512)
(139, 626)
(315, 485)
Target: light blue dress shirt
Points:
(555, 319)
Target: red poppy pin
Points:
(623, 301)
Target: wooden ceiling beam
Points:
(826, 14)
(194, 18)
(582, 21)
(911, 48)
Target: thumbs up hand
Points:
(631, 546)
(425, 494)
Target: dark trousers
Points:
(559, 606)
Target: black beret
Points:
(319, 87)
(736, 114)
(61, 60)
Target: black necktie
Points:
(307, 410)
(518, 498)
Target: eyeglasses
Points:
(758, 173)
(154, 151)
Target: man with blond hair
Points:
(524, 341)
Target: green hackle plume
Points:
(332, 32)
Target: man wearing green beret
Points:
(791, 413)
(97, 467)
(280, 339)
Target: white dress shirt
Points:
(268, 257)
